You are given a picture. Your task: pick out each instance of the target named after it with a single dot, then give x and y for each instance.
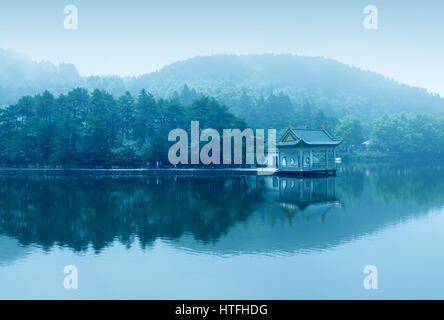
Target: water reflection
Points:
(217, 215)
(11, 250)
(81, 211)
(306, 197)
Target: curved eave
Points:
(302, 205)
(328, 144)
(288, 144)
(303, 142)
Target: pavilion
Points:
(307, 152)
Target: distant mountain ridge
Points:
(324, 81)
(328, 85)
(20, 76)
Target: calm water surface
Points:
(241, 237)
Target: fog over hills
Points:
(20, 76)
(328, 85)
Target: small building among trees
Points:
(307, 152)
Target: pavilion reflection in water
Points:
(306, 197)
(192, 212)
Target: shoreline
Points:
(146, 171)
(366, 157)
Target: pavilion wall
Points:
(306, 158)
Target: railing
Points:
(319, 166)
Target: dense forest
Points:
(90, 130)
(265, 90)
(410, 133)
(97, 129)
(51, 116)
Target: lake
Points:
(224, 237)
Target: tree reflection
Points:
(79, 211)
(232, 213)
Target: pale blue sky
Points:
(133, 37)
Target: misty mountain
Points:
(244, 83)
(20, 76)
(328, 85)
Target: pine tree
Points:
(145, 117)
(126, 107)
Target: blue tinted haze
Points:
(135, 37)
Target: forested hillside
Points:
(265, 90)
(50, 115)
(20, 76)
(89, 130)
(329, 85)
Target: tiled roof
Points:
(310, 137)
